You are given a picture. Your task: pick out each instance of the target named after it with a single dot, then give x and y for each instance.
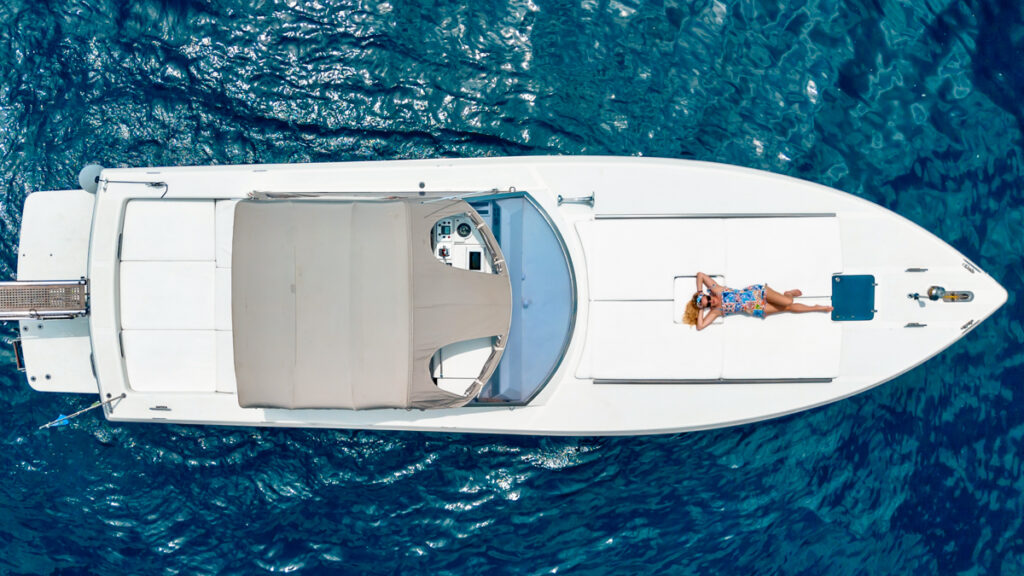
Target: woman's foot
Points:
(793, 293)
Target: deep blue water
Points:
(915, 105)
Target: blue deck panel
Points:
(853, 297)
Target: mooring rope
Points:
(62, 420)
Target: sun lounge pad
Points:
(783, 346)
(638, 259)
(168, 230)
(167, 295)
(785, 253)
(638, 341)
(171, 360)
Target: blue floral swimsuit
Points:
(749, 300)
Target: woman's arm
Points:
(705, 280)
(703, 321)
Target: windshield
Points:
(543, 296)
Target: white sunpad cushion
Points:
(785, 253)
(168, 230)
(639, 259)
(641, 341)
(167, 295)
(781, 346)
(170, 360)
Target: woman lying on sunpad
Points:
(758, 300)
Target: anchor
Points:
(937, 293)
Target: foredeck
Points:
(642, 271)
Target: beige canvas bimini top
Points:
(341, 304)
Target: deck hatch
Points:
(853, 297)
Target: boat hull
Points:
(635, 231)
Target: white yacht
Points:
(534, 295)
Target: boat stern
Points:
(54, 347)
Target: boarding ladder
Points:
(43, 299)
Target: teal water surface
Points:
(915, 105)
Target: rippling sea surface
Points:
(913, 104)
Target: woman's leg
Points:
(771, 308)
(776, 299)
(805, 308)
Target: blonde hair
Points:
(690, 315)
